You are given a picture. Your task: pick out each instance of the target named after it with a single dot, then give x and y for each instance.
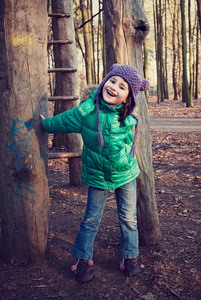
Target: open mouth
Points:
(110, 93)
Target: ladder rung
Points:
(67, 70)
(59, 15)
(63, 98)
(59, 42)
(64, 154)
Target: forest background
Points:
(171, 49)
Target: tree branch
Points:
(88, 20)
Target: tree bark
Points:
(146, 63)
(197, 62)
(90, 9)
(162, 55)
(199, 12)
(67, 84)
(23, 148)
(103, 44)
(160, 78)
(179, 54)
(174, 65)
(166, 55)
(158, 60)
(126, 29)
(186, 97)
(88, 42)
(191, 35)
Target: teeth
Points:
(110, 93)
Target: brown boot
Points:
(132, 266)
(83, 273)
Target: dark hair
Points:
(124, 111)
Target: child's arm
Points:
(68, 121)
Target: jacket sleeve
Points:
(68, 121)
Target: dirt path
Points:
(171, 270)
(176, 124)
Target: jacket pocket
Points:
(121, 162)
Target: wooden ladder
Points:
(62, 97)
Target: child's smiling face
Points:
(115, 91)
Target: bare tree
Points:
(179, 54)
(87, 31)
(126, 28)
(146, 62)
(23, 148)
(159, 51)
(173, 14)
(166, 55)
(197, 61)
(190, 49)
(186, 96)
(199, 12)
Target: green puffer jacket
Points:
(107, 167)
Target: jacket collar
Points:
(130, 120)
(104, 105)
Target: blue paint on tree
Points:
(21, 142)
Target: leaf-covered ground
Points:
(171, 270)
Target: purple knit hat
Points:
(136, 84)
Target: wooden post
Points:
(24, 146)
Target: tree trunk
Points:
(158, 60)
(186, 97)
(199, 12)
(163, 70)
(166, 55)
(126, 29)
(103, 44)
(23, 148)
(197, 63)
(179, 54)
(160, 49)
(190, 50)
(146, 66)
(156, 50)
(174, 65)
(98, 43)
(146, 63)
(93, 39)
(67, 84)
(88, 42)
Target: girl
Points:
(105, 122)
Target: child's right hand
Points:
(42, 118)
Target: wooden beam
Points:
(64, 154)
(63, 98)
(58, 15)
(62, 42)
(67, 70)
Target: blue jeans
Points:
(126, 208)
